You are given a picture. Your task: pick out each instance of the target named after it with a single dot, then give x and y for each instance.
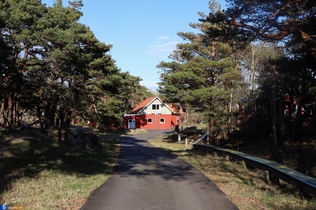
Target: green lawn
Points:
(37, 175)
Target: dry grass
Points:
(53, 190)
(37, 175)
(245, 188)
(136, 131)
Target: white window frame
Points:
(154, 107)
(149, 119)
(162, 121)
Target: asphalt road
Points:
(151, 178)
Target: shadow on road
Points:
(139, 158)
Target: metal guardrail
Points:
(276, 171)
(201, 139)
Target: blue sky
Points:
(143, 32)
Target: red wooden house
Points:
(152, 114)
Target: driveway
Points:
(151, 178)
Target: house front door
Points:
(131, 124)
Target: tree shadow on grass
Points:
(27, 157)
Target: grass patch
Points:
(42, 175)
(136, 131)
(245, 188)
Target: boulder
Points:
(91, 141)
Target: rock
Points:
(80, 132)
(91, 141)
(76, 142)
(72, 131)
(188, 130)
(81, 137)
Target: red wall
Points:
(141, 121)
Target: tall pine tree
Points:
(204, 73)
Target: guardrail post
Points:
(243, 163)
(270, 178)
(214, 154)
(274, 179)
(226, 157)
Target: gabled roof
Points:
(141, 106)
(174, 109)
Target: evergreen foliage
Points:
(54, 67)
(290, 24)
(276, 20)
(203, 73)
(272, 43)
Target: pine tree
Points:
(55, 66)
(203, 73)
(20, 33)
(281, 20)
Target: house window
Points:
(155, 107)
(149, 120)
(162, 121)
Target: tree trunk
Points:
(39, 114)
(16, 114)
(273, 115)
(253, 116)
(230, 111)
(2, 118)
(60, 118)
(10, 112)
(281, 114)
(298, 117)
(50, 115)
(68, 118)
(210, 139)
